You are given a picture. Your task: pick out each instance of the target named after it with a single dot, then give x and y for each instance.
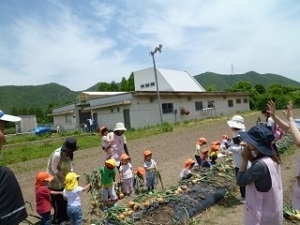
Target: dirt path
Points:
(169, 151)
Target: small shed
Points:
(27, 124)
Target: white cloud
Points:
(80, 45)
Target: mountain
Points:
(35, 96)
(42, 95)
(223, 82)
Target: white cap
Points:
(9, 118)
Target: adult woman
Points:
(59, 165)
(118, 142)
(264, 199)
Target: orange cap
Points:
(147, 152)
(42, 176)
(189, 163)
(124, 157)
(141, 171)
(225, 136)
(202, 140)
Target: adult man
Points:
(59, 164)
(12, 206)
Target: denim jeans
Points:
(75, 214)
(46, 218)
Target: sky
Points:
(78, 43)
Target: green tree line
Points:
(259, 95)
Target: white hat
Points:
(236, 122)
(9, 118)
(120, 126)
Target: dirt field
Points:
(169, 151)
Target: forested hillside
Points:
(218, 82)
(40, 96)
(52, 95)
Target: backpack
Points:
(278, 133)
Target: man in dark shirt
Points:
(12, 206)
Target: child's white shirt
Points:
(73, 196)
(105, 141)
(150, 165)
(185, 172)
(126, 171)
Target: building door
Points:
(126, 115)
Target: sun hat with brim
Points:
(71, 181)
(110, 163)
(41, 177)
(9, 118)
(103, 129)
(120, 126)
(237, 122)
(70, 145)
(189, 163)
(260, 137)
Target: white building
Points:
(181, 97)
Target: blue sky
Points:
(78, 43)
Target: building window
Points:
(118, 109)
(68, 119)
(245, 100)
(238, 101)
(211, 104)
(142, 86)
(111, 110)
(147, 85)
(152, 84)
(198, 106)
(230, 103)
(167, 108)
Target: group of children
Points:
(205, 157)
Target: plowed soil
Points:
(169, 151)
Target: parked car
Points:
(297, 121)
(42, 130)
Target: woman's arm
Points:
(294, 132)
(272, 111)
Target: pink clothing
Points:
(265, 208)
(296, 194)
(127, 185)
(117, 145)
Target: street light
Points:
(157, 49)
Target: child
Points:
(108, 173)
(214, 150)
(206, 163)
(224, 143)
(139, 180)
(126, 175)
(200, 142)
(105, 141)
(150, 168)
(42, 196)
(186, 173)
(71, 194)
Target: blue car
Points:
(42, 130)
(297, 121)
